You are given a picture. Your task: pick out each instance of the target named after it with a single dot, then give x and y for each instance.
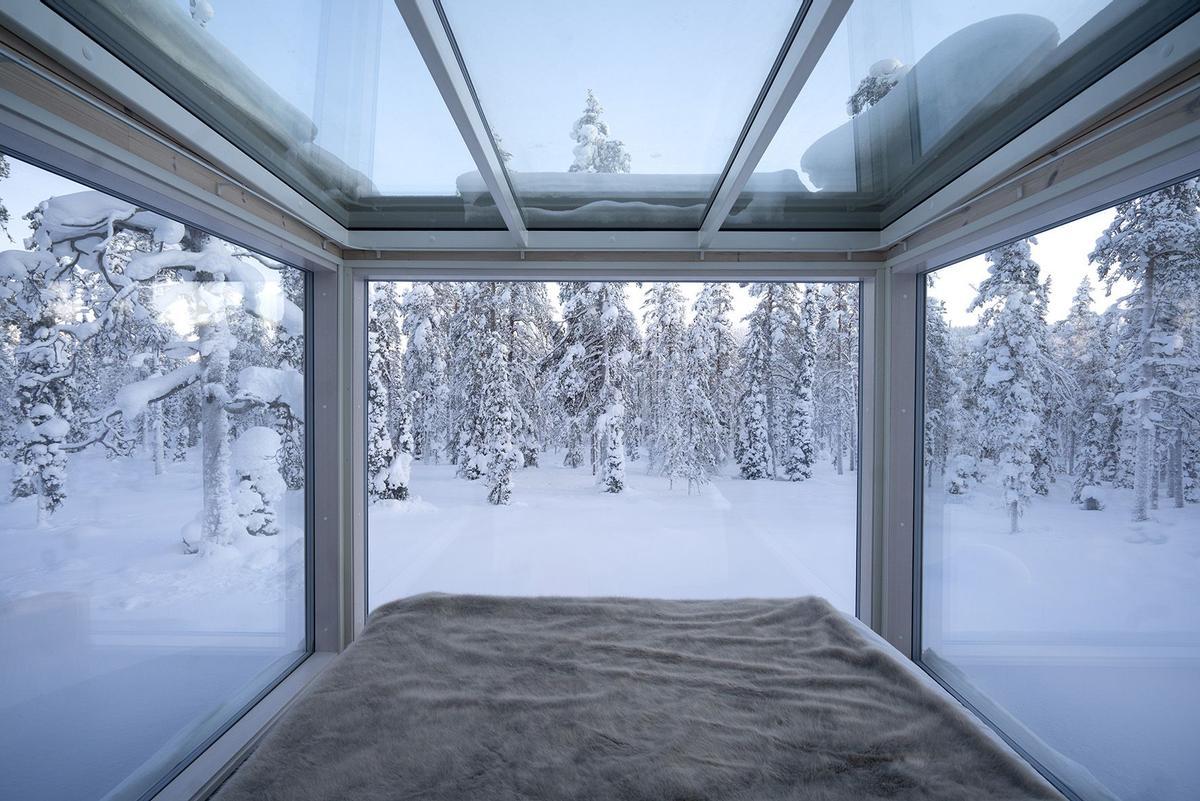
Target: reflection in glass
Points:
(665, 440)
(152, 563)
(332, 96)
(623, 118)
(1061, 530)
(909, 95)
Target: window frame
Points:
(193, 772)
(866, 539)
(1078, 205)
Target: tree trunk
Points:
(1177, 468)
(1143, 468)
(218, 522)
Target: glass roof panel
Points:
(619, 115)
(332, 97)
(910, 94)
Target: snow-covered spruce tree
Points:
(1014, 371)
(796, 450)
(425, 370)
(386, 469)
(663, 368)
(1083, 352)
(259, 486)
(5, 171)
(594, 150)
(700, 435)
(712, 355)
(590, 366)
(42, 381)
(836, 346)
(754, 455)
(528, 332)
(881, 79)
(769, 361)
(499, 451)
(941, 386)
(1153, 242)
(385, 313)
(611, 428)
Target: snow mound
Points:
(968, 73)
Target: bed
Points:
(476, 697)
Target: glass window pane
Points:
(152, 536)
(652, 95)
(1061, 530)
(657, 440)
(910, 94)
(331, 96)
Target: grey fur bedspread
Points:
(470, 697)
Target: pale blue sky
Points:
(677, 78)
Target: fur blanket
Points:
(470, 697)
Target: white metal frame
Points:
(432, 37)
(867, 276)
(820, 21)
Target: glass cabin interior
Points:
(360, 307)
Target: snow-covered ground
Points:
(1084, 627)
(562, 536)
(118, 646)
(1089, 637)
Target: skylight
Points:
(627, 117)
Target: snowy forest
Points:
(1099, 401)
(496, 377)
(135, 337)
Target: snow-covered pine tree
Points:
(498, 452)
(769, 361)
(700, 435)
(590, 366)
(663, 365)
(754, 455)
(77, 230)
(610, 426)
(1082, 352)
(1153, 243)
(384, 465)
(796, 449)
(476, 321)
(528, 332)
(5, 172)
(881, 79)
(385, 314)
(401, 472)
(259, 486)
(940, 387)
(1014, 370)
(43, 378)
(424, 370)
(594, 150)
(712, 354)
(837, 345)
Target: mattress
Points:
(475, 697)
